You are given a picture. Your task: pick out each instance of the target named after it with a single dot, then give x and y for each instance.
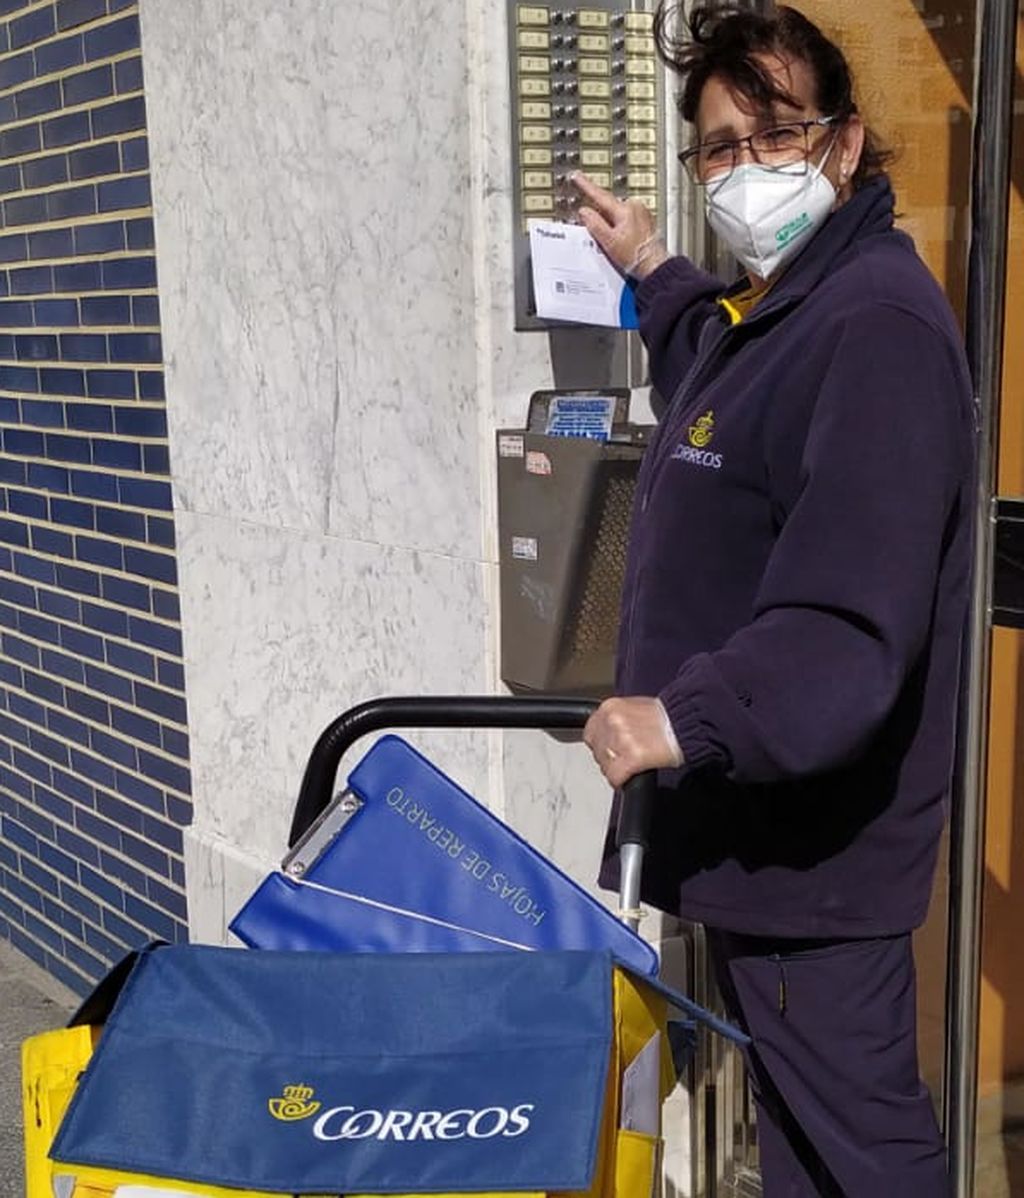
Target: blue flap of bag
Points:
(316, 1072)
(423, 867)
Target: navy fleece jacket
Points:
(796, 584)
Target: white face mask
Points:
(766, 216)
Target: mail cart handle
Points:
(473, 711)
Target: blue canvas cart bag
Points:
(407, 861)
(321, 1073)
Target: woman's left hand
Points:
(628, 736)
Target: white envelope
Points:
(574, 281)
(641, 1090)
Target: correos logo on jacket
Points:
(698, 437)
(355, 1123)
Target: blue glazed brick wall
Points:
(94, 776)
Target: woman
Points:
(795, 595)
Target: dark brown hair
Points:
(727, 41)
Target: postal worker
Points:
(795, 595)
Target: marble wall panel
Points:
(220, 879)
(311, 176)
(556, 798)
(286, 630)
(333, 223)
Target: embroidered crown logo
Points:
(293, 1104)
(700, 434)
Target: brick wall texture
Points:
(94, 777)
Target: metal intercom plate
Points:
(587, 93)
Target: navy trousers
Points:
(841, 1108)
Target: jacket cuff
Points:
(691, 719)
(669, 275)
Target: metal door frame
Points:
(992, 117)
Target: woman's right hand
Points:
(624, 229)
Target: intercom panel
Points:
(588, 94)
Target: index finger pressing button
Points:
(605, 203)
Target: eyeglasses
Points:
(775, 148)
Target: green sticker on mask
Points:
(794, 227)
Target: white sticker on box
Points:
(589, 416)
(641, 1100)
(510, 446)
(524, 549)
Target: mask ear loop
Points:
(817, 170)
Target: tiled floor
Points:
(30, 1002)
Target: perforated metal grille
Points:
(594, 630)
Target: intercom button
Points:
(535, 87)
(528, 14)
(532, 134)
(595, 135)
(534, 64)
(644, 113)
(640, 135)
(642, 158)
(594, 112)
(596, 157)
(643, 67)
(639, 89)
(534, 156)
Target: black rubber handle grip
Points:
(474, 711)
(636, 811)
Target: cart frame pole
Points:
(631, 865)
